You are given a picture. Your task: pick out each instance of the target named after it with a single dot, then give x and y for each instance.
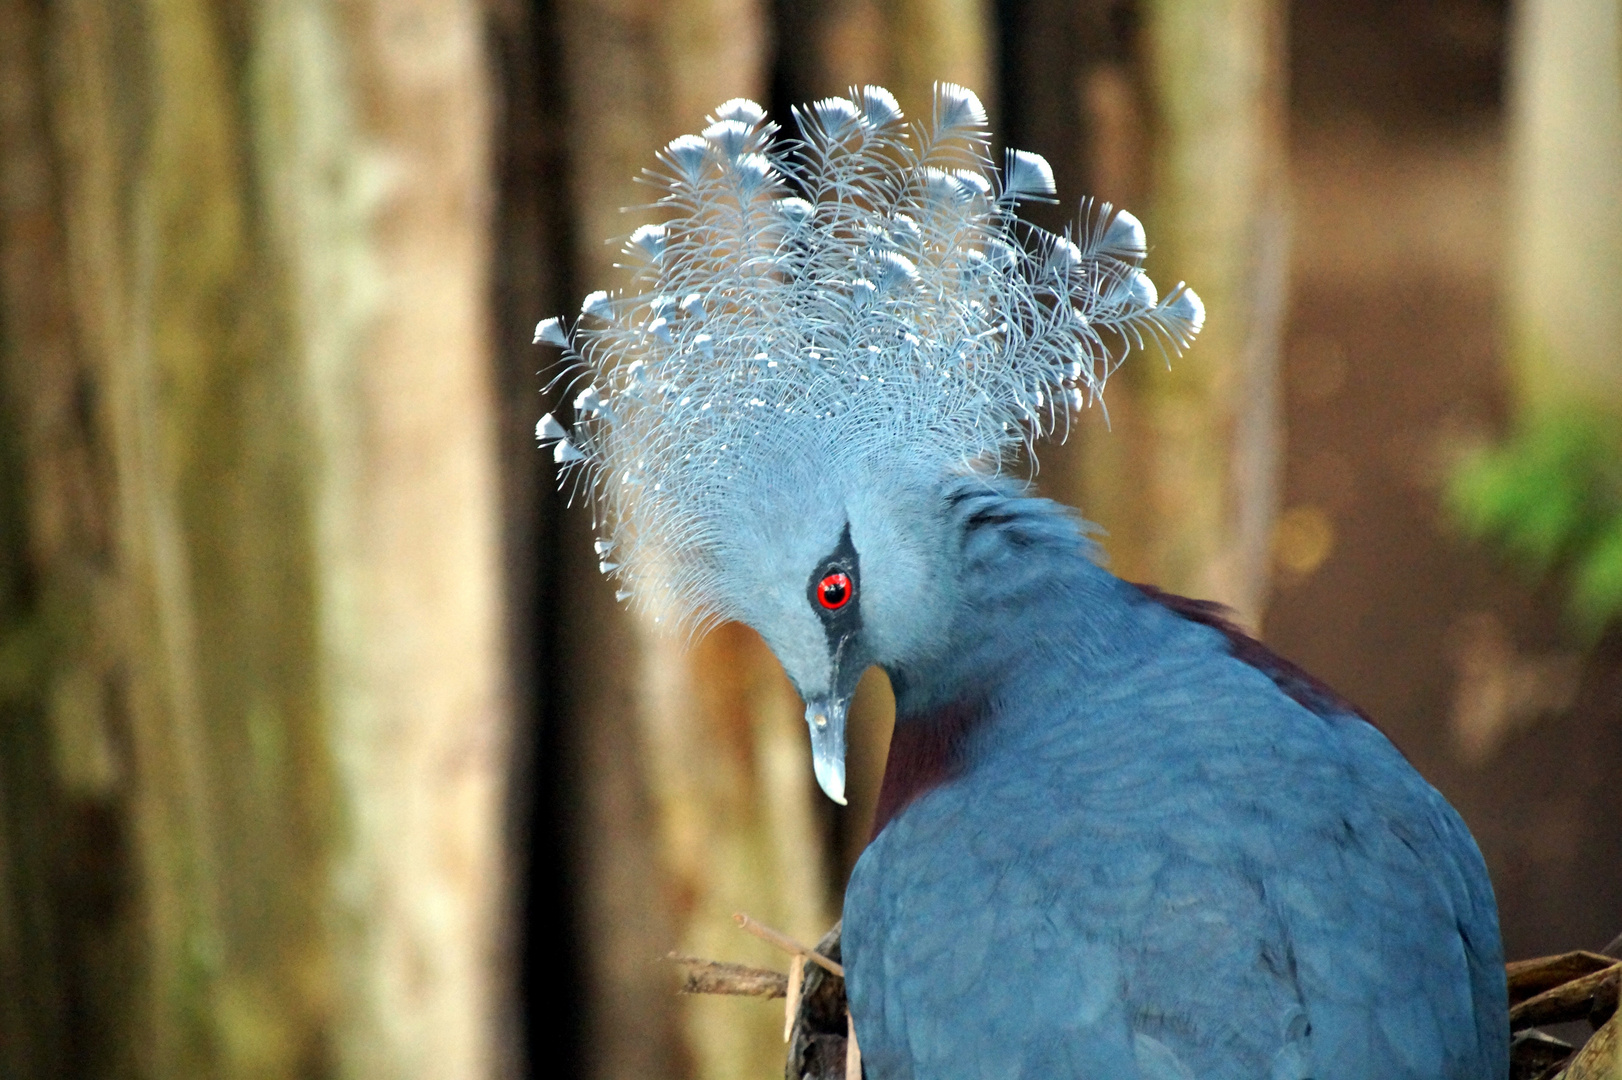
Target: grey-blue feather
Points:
(1146, 859)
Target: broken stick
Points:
(720, 977)
(788, 944)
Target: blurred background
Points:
(324, 749)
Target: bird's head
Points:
(816, 334)
(843, 577)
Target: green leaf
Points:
(1551, 497)
(1596, 588)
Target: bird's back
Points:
(1159, 864)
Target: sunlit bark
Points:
(372, 127)
(1565, 243)
(261, 502)
(1185, 478)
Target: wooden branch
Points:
(1529, 978)
(787, 944)
(720, 977)
(1574, 1000)
(1597, 1059)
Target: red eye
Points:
(834, 591)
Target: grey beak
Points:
(826, 719)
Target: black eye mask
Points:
(843, 618)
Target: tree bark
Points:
(373, 127)
(1565, 243)
(1185, 477)
(70, 945)
(246, 350)
(906, 46)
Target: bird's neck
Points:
(926, 751)
(1034, 602)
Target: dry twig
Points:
(1529, 978)
(719, 977)
(791, 1008)
(787, 944)
(1578, 999)
(1556, 989)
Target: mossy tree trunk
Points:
(1183, 123)
(245, 361)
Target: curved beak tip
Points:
(831, 778)
(826, 719)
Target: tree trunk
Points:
(1184, 479)
(1565, 244)
(70, 932)
(934, 41)
(245, 347)
(906, 46)
(373, 126)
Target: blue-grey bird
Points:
(1116, 838)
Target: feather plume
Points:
(862, 297)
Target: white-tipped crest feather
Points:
(742, 110)
(689, 154)
(550, 332)
(957, 109)
(879, 107)
(852, 303)
(547, 429)
(1125, 235)
(1028, 176)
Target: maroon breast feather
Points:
(926, 751)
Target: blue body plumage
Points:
(1114, 849)
(1116, 838)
